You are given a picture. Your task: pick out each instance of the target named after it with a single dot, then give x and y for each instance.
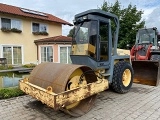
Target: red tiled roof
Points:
(18, 11)
(59, 38)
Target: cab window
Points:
(104, 38)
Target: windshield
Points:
(145, 36)
(85, 32)
(84, 41)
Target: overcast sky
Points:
(66, 9)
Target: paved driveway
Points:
(141, 103)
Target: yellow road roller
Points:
(97, 64)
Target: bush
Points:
(11, 30)
(9, 67)
(5, 67)
(10, 92)
(5, 29)
(40, 33)
(31, 65)
(16, 30)
(7, 74)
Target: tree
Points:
(71, 32)
(129, 21)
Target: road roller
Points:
(97, 65)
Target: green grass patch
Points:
(10, 92)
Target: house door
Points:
(64, 56)
(13, 54)
(46, 54)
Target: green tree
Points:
(129, 21)
(71, 32)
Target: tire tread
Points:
(116, 84)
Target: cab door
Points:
(104, 41)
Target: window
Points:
(36, 27)
(13, 54)
(7, 53)
(6, 23)
(46, 54)
(65, 54)
(17, 55)
(10, 23)
(16, 24)
(104, 32)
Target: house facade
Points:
(20, 28)
(54, 49)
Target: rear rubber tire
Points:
(117, 82)
(155, 58)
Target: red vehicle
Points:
(145, 56)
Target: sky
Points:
(66, 9)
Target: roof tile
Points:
(59, 38)
(18, 11)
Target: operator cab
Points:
(92, 41)
(147, 36)
(146, 43)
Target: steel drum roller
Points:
(62, 77)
